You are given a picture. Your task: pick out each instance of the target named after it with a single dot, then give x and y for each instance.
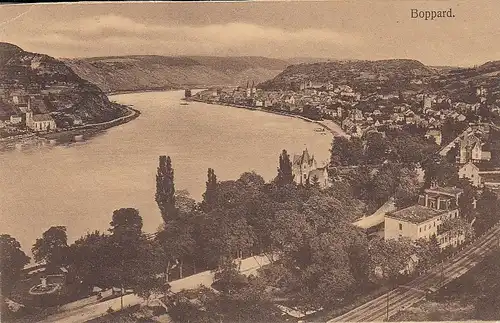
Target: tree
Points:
(133, 259)
(178, 243)
(451, 129)
(13, 260)
(487, 306)
(252, 179)
(466, 200)
(183, 202)
(225, 233)
(389, 259)
(384, 183)
(228, 278)
(89, 258)
(320, 251)
(346, 152)
(407, 188)
(285, 174)
(438, 171)
(52, 247)
(210, 194)
(410, 147)
(126, 223)
(165, 190)
(488, 209)
(427, 251)
(377, 148)
(182, 310)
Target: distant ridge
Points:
(350, 71)
(149, 72)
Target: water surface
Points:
(80, 185)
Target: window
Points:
(400, 226)
(434, 223)
(420, 229)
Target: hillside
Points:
(383, 74)
(63, 92)
(392, 75)
(133, 73)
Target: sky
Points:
(356, 29)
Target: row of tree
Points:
(318, 257)
(407, 146)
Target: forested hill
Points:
(391, 75)
(352, 72)
(134, 73)
(63, 91)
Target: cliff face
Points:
(63, 92)
(135, 73)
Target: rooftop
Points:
(42, 117)
(415, 214)
(490, 178)
(451, 191)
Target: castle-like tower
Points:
(302, 165)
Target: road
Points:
(403, 297)
(85, 313)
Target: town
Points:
(232, 162)
(416, 208)
(41, 97)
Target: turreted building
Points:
(305, 170)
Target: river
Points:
(79, 185)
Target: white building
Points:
(434, 134)
(40, 122)
(471, 172)
(425, 219)
(305, 170)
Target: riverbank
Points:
(328, 125)
(67, 135)
(162, 89)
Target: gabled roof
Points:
(305, 158)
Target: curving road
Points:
(91, 311)
(404, 296)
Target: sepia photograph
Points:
(250, 161)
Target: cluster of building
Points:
(473, 156)
(426, 111)
(27, 111)
(324, 98)
(355, 111)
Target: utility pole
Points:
(442, 269)
(122, 289)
